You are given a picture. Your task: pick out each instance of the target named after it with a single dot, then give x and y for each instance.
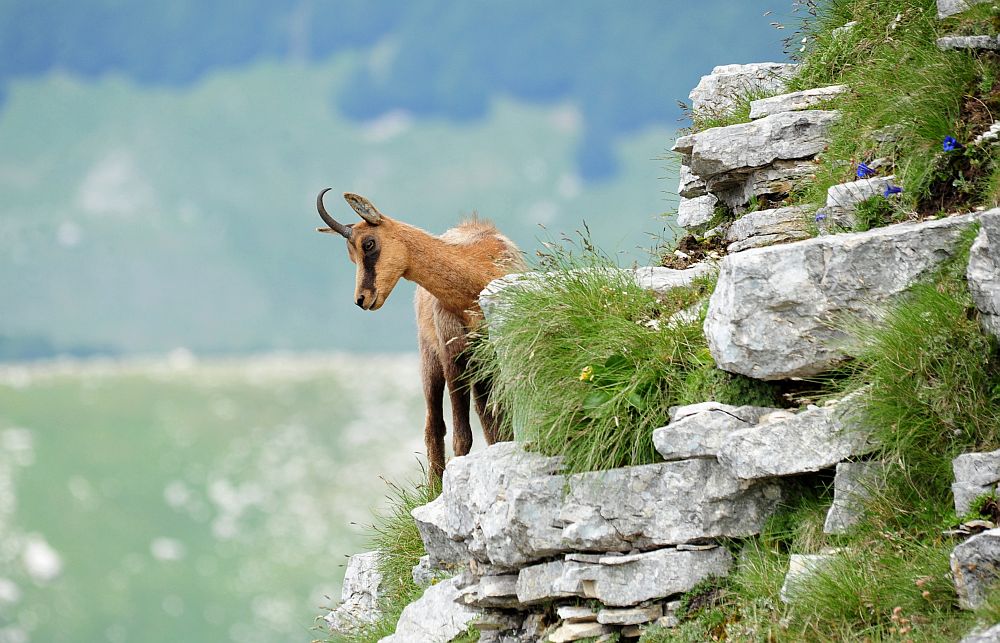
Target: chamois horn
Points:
(335, 226)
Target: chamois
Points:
(450, 271)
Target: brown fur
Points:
(450, 272)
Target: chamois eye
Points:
(368, 245)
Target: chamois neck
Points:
(452, 273)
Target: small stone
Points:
(975, 43)
(990, 135)
(689, 186)
(800, 568)
(576, 631)
(842, 200)
(852, 485)
(695, 213)
(951, 7)
(632, 616)
(576, 613)
(975, 567)
(668, 621)
(794, 101)
(423, 573)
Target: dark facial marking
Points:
(368, 261)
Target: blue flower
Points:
(891, 189)
(864, 171)
(950, 144)
(820, 217)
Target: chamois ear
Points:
(364, 208)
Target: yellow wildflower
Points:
(587, 374)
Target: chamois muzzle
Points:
(335, 226)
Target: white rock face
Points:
(360, 594)
(503, 506)
(975, 566)
(771, 313)
(951, 7)
(576, 631)
(808, 441)
(436, 617)
(622, 581)
(722, 150)
(984, 270)
(769, 227)
(795, 101)
(717, 93)
(852, 485)
(631, 616)
(689, 186)
(699, 430)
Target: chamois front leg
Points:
(434, 427)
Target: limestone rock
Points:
(851, 486)
(491, 591)
(360, 594)
(502, 506)
(984, 270)
(576, 613)
(694, 213)
(741, 147)
(965, 495)
(981, 43)
(641, 577)
(661, 280)
(795, 101)
(977, 468)
(984, 635)
(990, 135)
(699, 430)
(632, 616)
(842, 200)
(576, 631)
(718, 92)
(812, 440)
(951, 7)
(800, 568)
(436, 617)
(768, 227)
(975, 566)
(770, 315)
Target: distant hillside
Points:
(436, 57)
(140, 220)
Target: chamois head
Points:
(374, 245)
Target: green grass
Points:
(396, 538)
(587, 363)
(898, 77)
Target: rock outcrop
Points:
(718, 92)
(436, 617)
(975, 567)
(774, 311)
(359, 596)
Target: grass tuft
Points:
(587, 363)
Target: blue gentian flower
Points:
(950, 144)
(864, 171)
(820, 217)
(891, 189)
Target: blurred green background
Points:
(194, 417)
